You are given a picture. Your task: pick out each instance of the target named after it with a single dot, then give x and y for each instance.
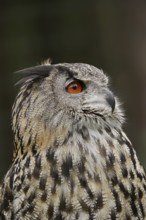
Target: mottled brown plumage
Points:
(72, 159)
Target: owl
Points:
(72, 159)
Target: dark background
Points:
(109, 34)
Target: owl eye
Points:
(75, 87)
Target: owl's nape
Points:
(72, 159)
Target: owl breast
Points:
(79, 178)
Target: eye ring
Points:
(75, 87)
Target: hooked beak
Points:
(102, 103)
(110, 100)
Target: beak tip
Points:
(111, 101)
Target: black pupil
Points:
(74, 86)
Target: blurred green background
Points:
(109, 34)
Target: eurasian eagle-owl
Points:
(72, 159)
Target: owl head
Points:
(61, 96)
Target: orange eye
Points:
(74, 87)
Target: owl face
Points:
(60, 95)
(80, 89)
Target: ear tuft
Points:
(33, 73)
